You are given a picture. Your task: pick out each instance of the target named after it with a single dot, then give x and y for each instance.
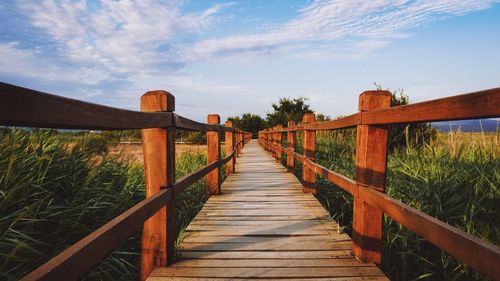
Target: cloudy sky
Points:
(234, 57)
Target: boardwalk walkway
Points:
(264, 227)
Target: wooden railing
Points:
(370, 202)
(28, 108)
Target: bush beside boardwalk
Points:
(53, 194)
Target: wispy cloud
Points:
(329, 23)
(122, 48)
(27, 63)
(119, 36)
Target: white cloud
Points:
(121, 36)
(328, 22)
(16, 61)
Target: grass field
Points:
(455, 178)
(54, 192)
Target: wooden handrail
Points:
(476, 105)
(479, 254)
(76, 260)
(29, 108)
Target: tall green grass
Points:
(53, 193)
(454, 178)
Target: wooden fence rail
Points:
(370, 202)
(29, 108)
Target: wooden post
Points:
(279, 136)
(290, 139)
(309, 145)
(213, 154)
(371, 161)
(273, 141)
(229, 148)
(238, 143)
(158, 234)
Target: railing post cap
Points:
(228, 123)
(291, 124)
(308, 117)
(371, 100)
(213, 119)
(157, 101)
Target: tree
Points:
(320, 117)
(288, 109)
(248, 122)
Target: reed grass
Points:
(53, 193)
(455, 178)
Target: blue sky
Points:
(230, 57)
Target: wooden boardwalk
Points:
(264, 227)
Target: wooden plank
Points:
(289, 226)
(184, 123)
(354, 278)
(192, 237)
(341, 123)
(281, 245)
(343, 182)
(263, 221)
(158, 235)
(269, 272)
(483, 104)
(267, 232)
(267, 255)
(264, 218)
(29, 108)
(253, 263)
(274, 212)
(168, 278)
(75, 261)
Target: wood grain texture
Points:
(229, 137)
(483, 104)
(341, 123)
(213, 178)
(29, 108)
(309, 145)
(291, 138)
(158, 235)
(479, 254)
(371, 162)
(264, 226)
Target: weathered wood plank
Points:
(355, 278)
(264, 226)
(268, 272)
(252, 263)
(281, 244)
(267, 255)
(263, 239)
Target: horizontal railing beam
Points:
(483, 104)
(481, 255)
(75, 261)
(29, 108)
